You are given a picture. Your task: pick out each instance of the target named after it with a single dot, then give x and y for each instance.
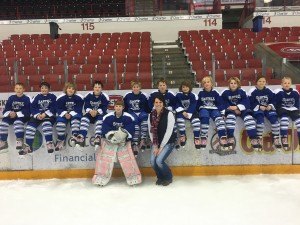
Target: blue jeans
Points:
(159, 165)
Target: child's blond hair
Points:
(207, 78)
(286, 78)
(237, 80)
(134, 82)
(68, 85)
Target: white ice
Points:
(213, 200)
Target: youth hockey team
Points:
(141, 116)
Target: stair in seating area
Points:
(169, 62)
(144, 8)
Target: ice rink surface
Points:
(213, 200)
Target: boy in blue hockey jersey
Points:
(118, 119)
(186, 102)
(43, 111)
(69, 109)
(16, 113)
(210, 105)
(136, 104)
(237, 104)
(262, 102)
(169, 96)
(95, 107)
(287, 105)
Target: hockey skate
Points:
(3, 147)
(135, 149)
(230, 143)
(260, 143)
(276, 143)
(25, 150)
(104, 163)
(129, 165)
(223, 143)
(50, 147)
(197, 143)
(203, 143)
(73, 141)
(182, 141)
(285, 143)
(255, 144)
(143, 145)
(97, 142)
(80, 142)
(19, 144)
(60, 145)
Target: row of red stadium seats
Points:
(91, 59)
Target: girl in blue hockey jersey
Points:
(95, 107)
(262, 102)
(16, 113)
(43, 111)
(186, 102)
(287, 105)
(136, 104)
(69, 109)
(210, 105)
(237, 104)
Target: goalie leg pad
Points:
(129, 165)
(104, 163)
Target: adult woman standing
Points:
(161, 122)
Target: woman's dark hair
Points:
(161, 98)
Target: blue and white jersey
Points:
(186, 102)
(264, 97)
(169, 98)
(287, 99)
(136, 103)
(237, 98)
(19, 105)
(210, 100)
(44, 104)
(96, 102)
(69, 104)
(111, 122)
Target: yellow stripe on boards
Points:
(147, 171)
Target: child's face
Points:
(207, 85)
(118, 109)
(185, 89)
(162, 87)
(70, 91)
(286, 84)
(44, 90)
(19, 89)
(136, 89)
(261, 83)
(97, 89)
(233, 85)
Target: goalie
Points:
(117, 131)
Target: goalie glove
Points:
(120, 135)
(117, 136)
(110, 136)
